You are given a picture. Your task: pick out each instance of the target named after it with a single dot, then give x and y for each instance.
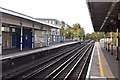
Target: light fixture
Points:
(111, 20)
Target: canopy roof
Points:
(104, 15)
(3, 10)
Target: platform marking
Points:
(90, 64)
(100, 63)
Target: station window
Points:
(46, 21)
(3, 29)
(56, 22)
(53, 22)
(50, 22)
(13, 29)
(6, 29)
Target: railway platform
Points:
(13, 53)
(103, 65)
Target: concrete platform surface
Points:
(103, 65)
(24, 53)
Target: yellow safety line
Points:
(100, 64)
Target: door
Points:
(13, 40)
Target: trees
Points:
(95, 35)
(78, 31)
(62, 30)
(75, 31)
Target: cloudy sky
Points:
(70, 11)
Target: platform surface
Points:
(103, 65)
(24, 53)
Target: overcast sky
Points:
(70, 11)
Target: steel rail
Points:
(71, 59)
(84, 65)
(47, 66)
(52, 58)
(80, 59)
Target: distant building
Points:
(54, 32)
(66, 26)
(51, 21)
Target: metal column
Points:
(117, 46)
(47, 35)
(112, 43)
(0, 33)
(105, 40)
(33, 34)
(108, 42)
(21, 38)
(0, 45)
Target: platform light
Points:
(104, 21)
(109, 13)
(101, 27)
(106, 18)
(111, 20)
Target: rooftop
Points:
(7, 11)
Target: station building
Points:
(21, 31)
(55, 33)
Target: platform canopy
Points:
(104, 15)
(23, 16)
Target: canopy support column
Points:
(21, 38)
(117, 46)
(0, 33)
(33, 36)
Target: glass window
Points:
(56, 22)
(6, 29)
(13, 29)
(3, 28)
(50, 22)
(53, 22)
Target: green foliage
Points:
(95, 35)
(62, 30)
(72, 32)
(75, 31)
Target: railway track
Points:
(73, 68)
(19, 72)
(68, 64)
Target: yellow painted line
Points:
(100, 63)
